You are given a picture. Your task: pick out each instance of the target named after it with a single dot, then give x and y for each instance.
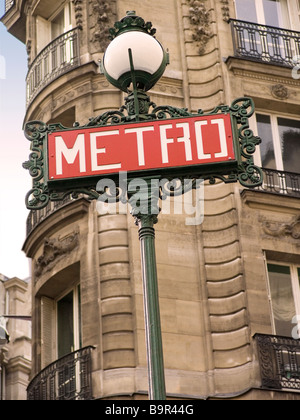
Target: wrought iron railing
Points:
(37, 216)
(266, 44)
(281, 182)
(56, 59)
(68, 378)
(279, 361)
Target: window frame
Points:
(291, 11)
(295, 282)
(77, 328)
(275, 134)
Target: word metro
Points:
(85, 152)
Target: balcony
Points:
(35, 217)
(280, 182)
(265, 44)
(68, 378)
(56, 59)
(279, 361)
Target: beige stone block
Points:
(208, 103)
(120, 341)
(228, 305)
(220, 206)
(118, 359)
(222, 254)
(231, 358)
(217, 191)
(189, 317)
(113, 288)
(116, 305)
(183, 352)
(185, 286)
(119, 322)
(114, 271)
(225, 288)
(259, 309)
(112, 221)
(224, 221)
(221, 237)
(172, 248)
(197, 62)
(226, 271)
(230, 340)
(113, 238)
(231, 322)
(234, 379)
(113, 255)
(203, 75)
(206, 89)
(181, 316)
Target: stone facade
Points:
(15, 356)
(213, 284)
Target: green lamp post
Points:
(133, 62)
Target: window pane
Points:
(283, 303)
(266, 146)
(245, 10)
(289, 131)
(57, 25)
(271, 12)
(65, 325)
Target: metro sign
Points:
(158, 145)
(171, 143)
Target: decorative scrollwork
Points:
(245, 171)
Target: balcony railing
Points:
(281, 182)
(37, 216)
(279, 361)
(57, 58)
(69, 378)
(265, 44)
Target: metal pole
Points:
(146, 220)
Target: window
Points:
(284, 287)
(49, 28)
(266, 12)
(278, 13)
(62, 22)
(280, 147)
(68, 322)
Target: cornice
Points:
(261, 71)
(52, 223)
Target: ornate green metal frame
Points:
(245, 142)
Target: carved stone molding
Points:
(200, 19)
(278, 229)
(54, 249)
(225, 10)
(103, 12)
(279, 91)
(78, 12)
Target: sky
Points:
(15, 181)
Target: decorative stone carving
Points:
(278, 229)
(280, 91)
(78, 12)
(225, 10)
(200, 20)
(103, 11)
(53, 249)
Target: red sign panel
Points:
(85, 152)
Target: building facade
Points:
(229, 288)
(15, 356)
